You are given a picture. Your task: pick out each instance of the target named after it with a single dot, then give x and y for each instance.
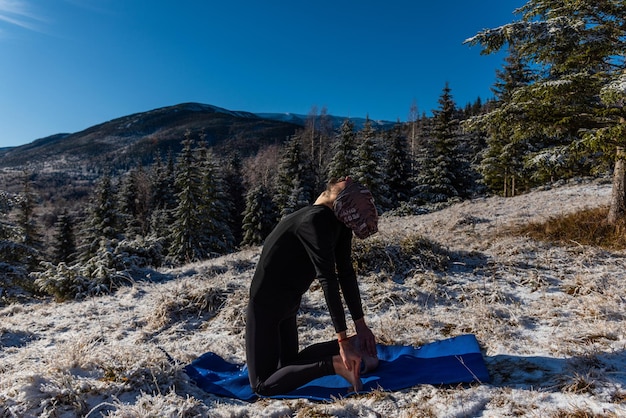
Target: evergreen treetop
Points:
(577, 54)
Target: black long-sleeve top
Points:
(310, 243)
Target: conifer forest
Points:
(557, 113)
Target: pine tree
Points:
(473, 109)
(439, 178)
(295, 180)
(577, 49)
(102, 223)
(186, 231)
(397, 167)
(369, 164)
(6, 226)
(128, 205)
(29, 235)
(502, 164)
(414, 131)
(344, 149)
(216, 236)
(126, 196)
(235, 191)
(259, 216)
(64, 247)
(163, 200)
(143, 204)
(15, 257)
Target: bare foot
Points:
(369, 363)
(351, 377)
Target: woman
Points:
(314, 242)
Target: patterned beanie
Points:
(355, 207)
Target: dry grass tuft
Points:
(586, 227)
(581, 413)
(619, 397)
(187, 300)
(412, 253)
(579, 383)
(149, 405)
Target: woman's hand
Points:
(367, 340)
(348, 363)
(352, 362)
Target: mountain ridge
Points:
(138, 137)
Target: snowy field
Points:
(550, 319)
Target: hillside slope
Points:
(550, 320)
(139, 137)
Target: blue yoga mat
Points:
(452, 361)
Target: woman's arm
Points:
(318, 235)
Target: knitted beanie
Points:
(355, 207)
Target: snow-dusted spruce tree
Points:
(473, 109)
(25, 246)
(134, 197)
(343, 151)
(64, 244)
(438, 179)
(127, 205)
(102, 267)
(14, 255)
(577, 51)
(470, 146)
(215, 207)
(186, 230)
(502, 163)
(29, 235)
(259, 216)
(235, 194)
(100, 274)
(397, 166)
(102, 223)
(369, 165)
(296, 180)
(137, 247)
(163, 200)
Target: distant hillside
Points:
(139, 137)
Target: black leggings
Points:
(274, 364)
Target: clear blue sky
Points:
(69, 64)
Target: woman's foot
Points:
(350, 376)
(368, 363)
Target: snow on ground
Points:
(550, 320)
